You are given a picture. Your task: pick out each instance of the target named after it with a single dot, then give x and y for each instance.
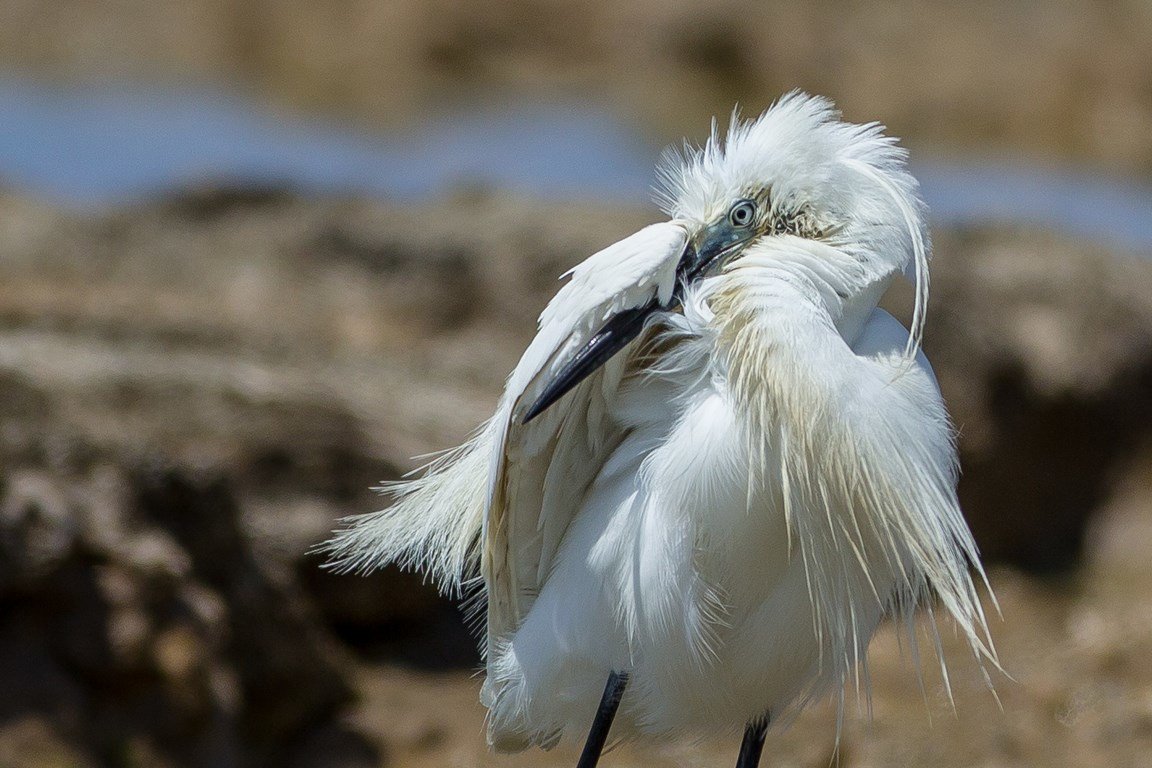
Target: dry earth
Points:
(191, 392)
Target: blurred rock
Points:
(85, 636)
(32, 741)
(38, 529)
(272, 642)
(159, 642)
(393, 615)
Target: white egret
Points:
(718, 465)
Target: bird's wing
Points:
(512, 488)
(882, 334)
(540, 471)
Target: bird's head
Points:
(800, 186)
(797, 189)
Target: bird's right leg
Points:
(753, 743)
(598, 734)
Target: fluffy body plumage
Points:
(728, 507)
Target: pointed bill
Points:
(638, 272)
(696, 258)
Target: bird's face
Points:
(796, 190)
(751, 218)
(803, 188)
(714, 243)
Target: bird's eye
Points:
(742, 213)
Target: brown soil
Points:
(192, 391)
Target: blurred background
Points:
(255, 255)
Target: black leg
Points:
(598, 734)
(753, 743)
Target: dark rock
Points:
(33, 741)
(392, 614)
(89, 641)
(38, 529)
(138, 628)
(273, 644)
(334, 746)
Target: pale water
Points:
(95, 146)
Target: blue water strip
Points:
(102, 145)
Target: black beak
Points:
(620, 329)
(699, 256)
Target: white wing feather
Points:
(539, 471)
(504, 484)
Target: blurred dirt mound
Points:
(1043, 348)
(138, 629)
(1073, 79)
(191, 392)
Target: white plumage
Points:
(727, 507)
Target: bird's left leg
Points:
(598, 734)
(753, 743)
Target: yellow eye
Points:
(742, 213)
